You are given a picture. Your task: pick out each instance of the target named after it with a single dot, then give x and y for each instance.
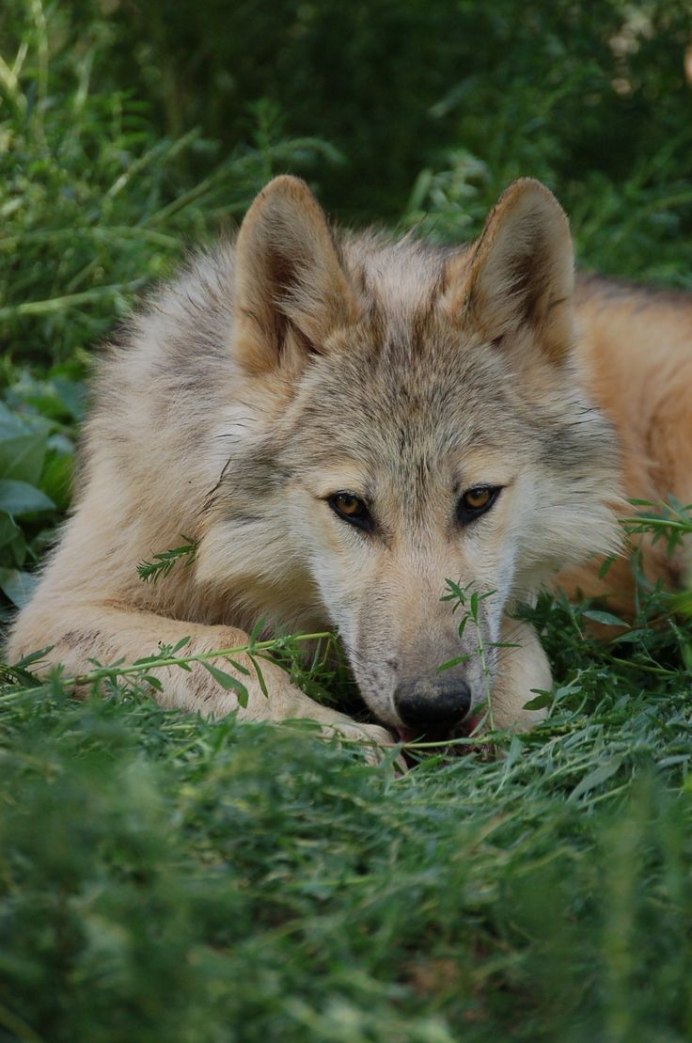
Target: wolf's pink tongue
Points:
(406, 734)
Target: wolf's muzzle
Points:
(437, 710)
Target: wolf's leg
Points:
(521, 669)
(110, 634)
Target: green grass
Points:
(159, 882)
(166, 878)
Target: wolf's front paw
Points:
(371, 738)
(523, 670)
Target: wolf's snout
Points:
(438, 710)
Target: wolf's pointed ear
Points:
(290, 287)
(521, 271)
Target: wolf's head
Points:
(411, 415)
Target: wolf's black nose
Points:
(431, 709)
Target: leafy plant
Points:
(35, 470)
(93, 200)
(151, 571)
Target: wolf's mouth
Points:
(463, 730)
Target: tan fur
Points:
(635, 357)
(297, 364)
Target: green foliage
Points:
(578, 94)
(177, 887)
(669, 522)
(94, 203)
(151, 571)
(163, 877)
(35, 469)
(639, 228)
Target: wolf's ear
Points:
(521, 271)
(290, 287)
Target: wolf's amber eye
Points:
(476, 501)
(352, 509)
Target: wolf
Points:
(343, 422)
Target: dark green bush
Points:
(558, 90)
(94, 201)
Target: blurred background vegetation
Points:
(560, 90)
(128, 127)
